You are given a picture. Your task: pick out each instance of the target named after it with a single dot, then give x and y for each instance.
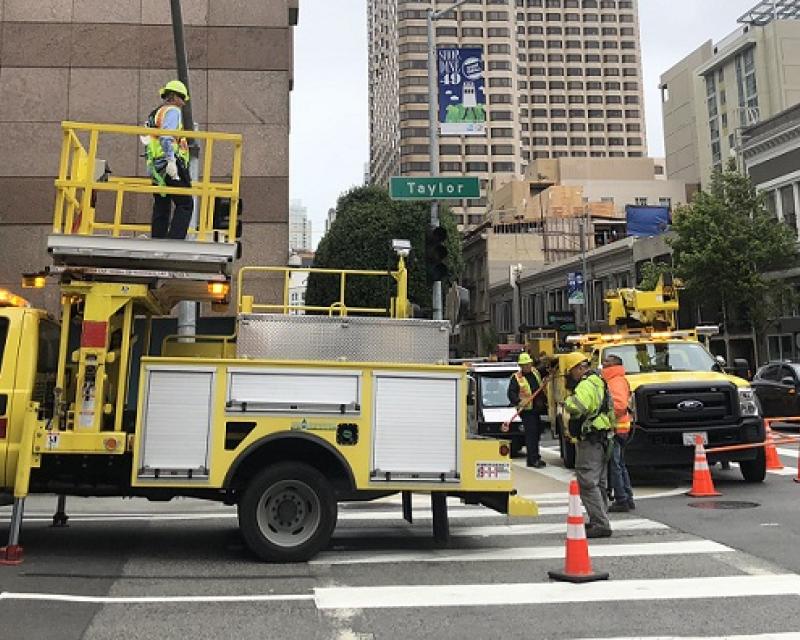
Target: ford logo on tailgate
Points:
(690, 405)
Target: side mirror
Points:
(471, 391)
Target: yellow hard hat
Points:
(524, 358)
(573, 359)
(176, 86)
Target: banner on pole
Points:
(575, 289)
(462, 96)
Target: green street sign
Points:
(434, 188)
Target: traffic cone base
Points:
(577, 564)
(702, 484)
(11, 555)
(773, 459)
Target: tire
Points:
(755, 470)
(287, 513)
(516, 447)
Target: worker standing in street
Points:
(614, 375)
(590, 427)
(168, 164)
(521, 389)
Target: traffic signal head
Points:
(436, 254)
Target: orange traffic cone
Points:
(773, 460)
(577, 564)
(702, 485)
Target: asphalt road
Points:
(131, 569)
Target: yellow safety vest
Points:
(154, 148)
(525, 388)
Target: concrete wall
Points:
(679, 116)
(93, 60)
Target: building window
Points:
(788, 207)
(665, 202)
(641, 201)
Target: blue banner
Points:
(575, 291)
(462, 95)
(644, 221)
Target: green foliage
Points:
(490, 340)
(651, 272)
(724, 244)
(367, 221)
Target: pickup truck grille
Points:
(683, 405)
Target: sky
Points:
(329, 140)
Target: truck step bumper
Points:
(519, 507)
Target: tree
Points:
(651, 272)
(367, 221)
(724, 244)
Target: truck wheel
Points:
(516, 447)
(567, 452)
(287, 513)
(755, 470)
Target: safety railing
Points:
(77, 185)
(399, 307)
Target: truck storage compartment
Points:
(283, 390)
(352, 339)
(416, 426)
(176, 422)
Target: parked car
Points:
(777, 386)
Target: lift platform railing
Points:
(77, 186)
(399, 307)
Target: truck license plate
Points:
(688, 438)
(493, 471)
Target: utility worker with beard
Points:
(591, 427)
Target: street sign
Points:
(402, 188)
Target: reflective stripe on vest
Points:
(154, 148)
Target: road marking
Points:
(61, 597)
(490, 531)
(482, 595)
(687, 547)
(789, 453)
(789, 635)
(478, 595)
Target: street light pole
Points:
(433, 132)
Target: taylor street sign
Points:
(434, 188)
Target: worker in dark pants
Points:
(524, 384)
(168, 165)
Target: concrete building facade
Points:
(87, 60)
(720, 89)
(563, 79)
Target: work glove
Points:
(172, 169)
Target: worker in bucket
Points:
(521, 389)
(168, 164)
(591, 427)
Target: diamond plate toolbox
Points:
(350, 339)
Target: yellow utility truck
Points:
(301, 408)
(678, 388)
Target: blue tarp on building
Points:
(646, 221)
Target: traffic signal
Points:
(436, 254)
(222, 220)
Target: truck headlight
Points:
(748, 404)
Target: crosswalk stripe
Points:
(482, 595)
(789, 635)
(686, 547)
(491, 531)
(790, 453)
(454, 514)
